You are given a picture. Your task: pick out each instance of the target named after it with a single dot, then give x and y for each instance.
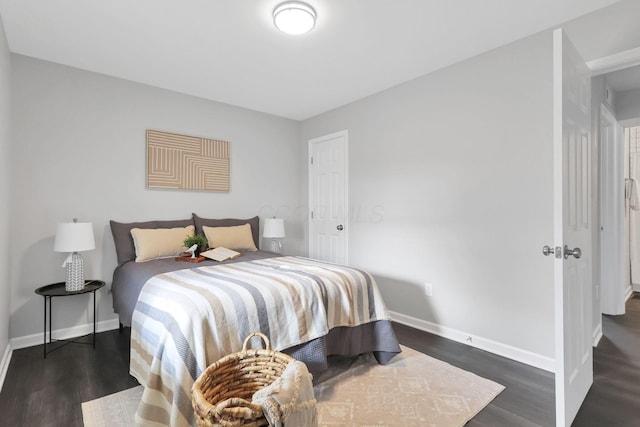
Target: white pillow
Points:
(237, 237)
(153, 243)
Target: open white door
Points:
(328, 198)
(572, 224)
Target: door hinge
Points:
(312, 160)
(311, 214)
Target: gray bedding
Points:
(376, 337)
(129, 278)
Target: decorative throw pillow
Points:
(152, 243)
(254, 222)
(237, 237)
(125, 249)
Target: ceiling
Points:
(624, 80)
(229, 51)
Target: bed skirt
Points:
(375, 337)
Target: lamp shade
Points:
(74, 237)
(273, 228)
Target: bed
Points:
(186, 316)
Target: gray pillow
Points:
(228, 222)
(125, 249)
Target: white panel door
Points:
(328, 201)
(572, 229)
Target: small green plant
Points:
(196, 239)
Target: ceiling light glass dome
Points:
(294, 17)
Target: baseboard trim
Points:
(628, 293)
(4, 364)
(63, 334)
(504, 350)
(597, 335)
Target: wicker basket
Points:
(221, 396)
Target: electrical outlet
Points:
(428, 289)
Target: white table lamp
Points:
(74, 237)
(274, 230)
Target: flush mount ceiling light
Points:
(294, 17)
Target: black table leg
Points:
(50, 339)
(94, 320)
(44, 329)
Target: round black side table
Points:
(58, 290)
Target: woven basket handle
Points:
(256, 334)
(235, 411)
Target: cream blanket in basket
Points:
(187, 319)
(289, 400)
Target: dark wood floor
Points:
(48, 392)
(614, 398)
(40, 392)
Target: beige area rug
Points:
(413, 390)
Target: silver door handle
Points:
(577, 252)
(340, 227)
(547, 250)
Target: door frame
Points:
(617, 61)
(624, 124)
(600, 66)
(345, 135)
(612, 259)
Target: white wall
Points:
(79, 151)
(5, 178)
(459, 164)
(627, 105)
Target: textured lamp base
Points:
(276, 246)
(74, 273)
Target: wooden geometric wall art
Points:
(186, 162)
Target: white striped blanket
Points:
(187, 319)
